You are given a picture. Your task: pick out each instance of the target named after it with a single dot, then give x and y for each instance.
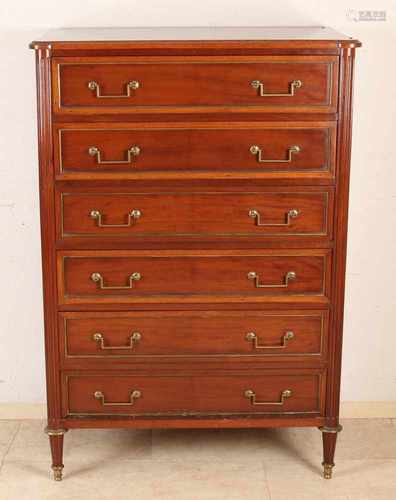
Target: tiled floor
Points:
(199, 465)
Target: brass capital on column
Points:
(55, 432)
(331, 430)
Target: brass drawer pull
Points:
(290, 275)
(133, 215)
(135, 337)
(291, 214)
(249, 394)
(133, 151)
(252, 337)
(256, 150)
(295, 84)
(134, 395)
(98, 278)
(133, 85)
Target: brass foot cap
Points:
(327, 470)
(57, 472)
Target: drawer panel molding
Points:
(130, 275)
(190, 84)
(286, 393)
(136, 215)
(192, 334)
(285, 149)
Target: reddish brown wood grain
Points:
(194, 117)
(46, 179)
(341, 214)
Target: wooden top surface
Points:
(270, 36)
(192, 33)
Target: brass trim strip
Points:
(192, 414)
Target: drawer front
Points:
(178, 84)
(137, 215)
(283, 149)
(230, 393)
(115, 276)
(193, 334)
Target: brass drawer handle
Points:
(98, 278)
(98, 216)
(290, 275)
(133, 85)
(133, 151)
(249, 394)
(134, 395)
(291, 214)
(135, 337)
(252, 337)
(256, 150)
(295, 84)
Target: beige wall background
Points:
(369, 368)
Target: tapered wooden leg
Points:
(329, 436)
(56, 443)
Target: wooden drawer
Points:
(129, 276)
(274, 149)
(272, 392)
(179, 334)
(156, 84)
(136, 215)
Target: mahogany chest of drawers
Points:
(194, 194)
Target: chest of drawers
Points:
(194, 194)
